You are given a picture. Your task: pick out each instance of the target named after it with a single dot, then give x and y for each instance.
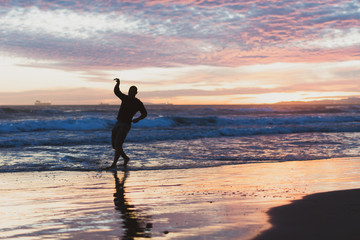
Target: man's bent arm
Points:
(142, 116)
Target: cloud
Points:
(205, 84)
(130, 34)
(202, 47)
(57, 97)
(178, 96)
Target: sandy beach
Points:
(227, 202)
(329, 215)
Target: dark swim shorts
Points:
(119, 132)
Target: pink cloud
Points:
(234, 33)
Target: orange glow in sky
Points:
(182, 52)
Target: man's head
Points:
(132, 91)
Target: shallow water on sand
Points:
(226, 202)
(184, 154)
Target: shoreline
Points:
(226, 202)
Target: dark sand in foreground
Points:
(329, 215)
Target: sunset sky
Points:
(182, 52)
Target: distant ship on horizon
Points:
(39, 103)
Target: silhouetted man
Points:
(130, 105)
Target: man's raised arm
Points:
(117, 91)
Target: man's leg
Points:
(124, 156)
(116, 159)
(119, 152)
(118, 137)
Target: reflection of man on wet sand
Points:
(134, 226)
(130, 105)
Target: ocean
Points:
(78, 138)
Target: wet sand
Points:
(228, 202)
